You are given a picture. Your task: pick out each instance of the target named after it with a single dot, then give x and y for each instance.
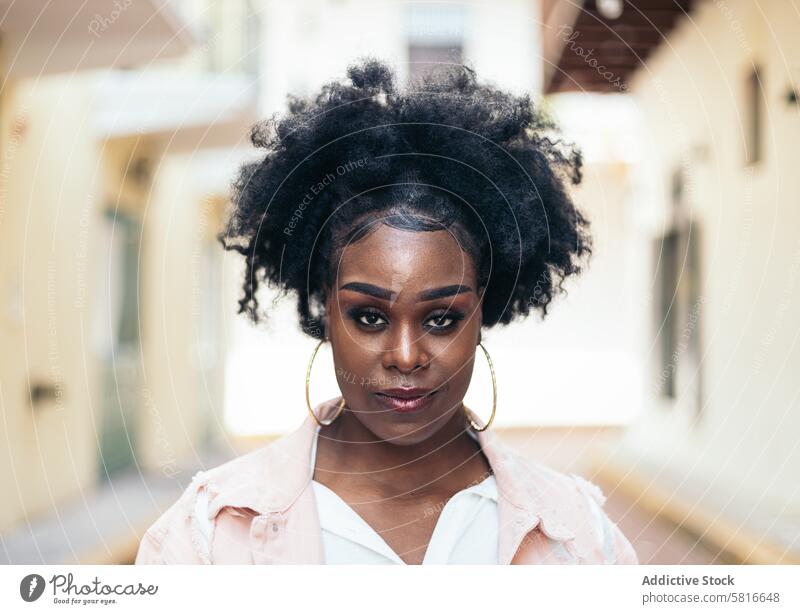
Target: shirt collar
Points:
(272, 477)
(537, 492)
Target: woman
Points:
(403, 222)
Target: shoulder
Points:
(608, 543)
(571, 511)
(181, 534)
(175, 536)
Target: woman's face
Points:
(404, 312)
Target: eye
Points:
(369, 318)
(444, 321)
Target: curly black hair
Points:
(446, 152)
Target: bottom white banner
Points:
(354, 588)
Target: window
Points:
(426, 59)
(679, 303)
(667, 272)
(116, 338)
(435, 37)
(251, 39)
(753, 116)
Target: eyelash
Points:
(447, 315)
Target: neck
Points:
(446, 461)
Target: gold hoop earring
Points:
(494, 396)
(308, 395)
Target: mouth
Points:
(404, 400)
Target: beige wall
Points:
(745, 442)
(57, 177)
(181, 393)
(50, 188)
(56, 180)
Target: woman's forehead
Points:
(404, 258)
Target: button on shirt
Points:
(466, 531)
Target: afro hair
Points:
(447, 151)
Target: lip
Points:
(404, 400)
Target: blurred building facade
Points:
(120, 127)
(710, 208)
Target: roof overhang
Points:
(41, 37)
(586, 50)
(187, 111)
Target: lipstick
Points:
(405, 400)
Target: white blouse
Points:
(466, 531)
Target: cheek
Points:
(460, 373)
(355, 364)
(455, 362)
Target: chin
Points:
(405, 430)
(406, 436)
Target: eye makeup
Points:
(365, 318)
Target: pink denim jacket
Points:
(263, 511)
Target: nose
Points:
(406, 350)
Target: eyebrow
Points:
(388, 295)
